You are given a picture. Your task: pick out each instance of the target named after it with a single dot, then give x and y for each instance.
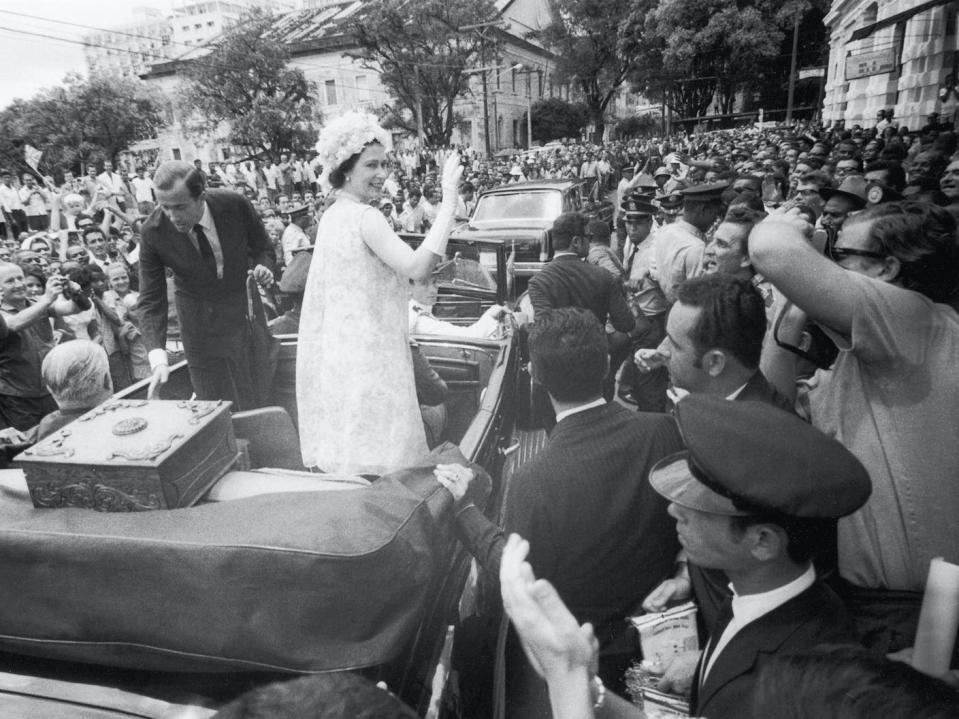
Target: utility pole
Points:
(482, 28)
(420, 134)
(792, 71)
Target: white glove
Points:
(452, 172)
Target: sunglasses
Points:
(837, 254)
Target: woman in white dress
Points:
(358, 411)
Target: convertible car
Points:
(484, 376)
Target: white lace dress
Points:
(354, 374)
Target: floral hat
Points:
(345, 136)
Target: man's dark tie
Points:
(206, 252)
(723, 619)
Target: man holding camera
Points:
(27, 336)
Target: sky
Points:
(31, 62)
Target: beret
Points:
(746, 458)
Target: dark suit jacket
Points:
(567, 281)
(597, 529)
(212, 311)
(815, 617)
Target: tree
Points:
(554, 118)
(423, 51)
(244, 84)
(79, 122)
(714, 50)
(638, 125)
(584, 35)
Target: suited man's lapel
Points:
(764, 636)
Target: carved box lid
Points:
(135, 433)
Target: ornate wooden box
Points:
(133, 455)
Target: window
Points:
(513, 77)
(209, 23)
(176, 153)
(330, 92)
(362, 88)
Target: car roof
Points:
(558, 184)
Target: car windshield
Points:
(464, 267)
(526, 206)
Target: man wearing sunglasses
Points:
(892, 395)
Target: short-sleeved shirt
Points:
(678, 256)
(21, 354)
(892, 398)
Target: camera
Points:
(75, 294)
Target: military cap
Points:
(635, 206)
(747, 458)
(662, 171)
(296, 210)
(708, 192)
(853, 187)
(293, 280)
(672, 204)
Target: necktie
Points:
(206, 252)
(723, 619)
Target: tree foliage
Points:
(696, 52)
(422, 53)
(79, 122)
(584, 35)
(245, 85)
(554, 118)
(638, 126)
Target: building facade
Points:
(320, 46)
(894, 55)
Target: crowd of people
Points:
(778, 304)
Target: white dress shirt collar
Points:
(747, 608)
(560, 416)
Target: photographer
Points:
(27, 336)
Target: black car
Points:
(481, 375)
(520, 216)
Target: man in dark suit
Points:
(210, 240)
(750, 496)
(569, 281)
(714, 339)
(596, 528)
